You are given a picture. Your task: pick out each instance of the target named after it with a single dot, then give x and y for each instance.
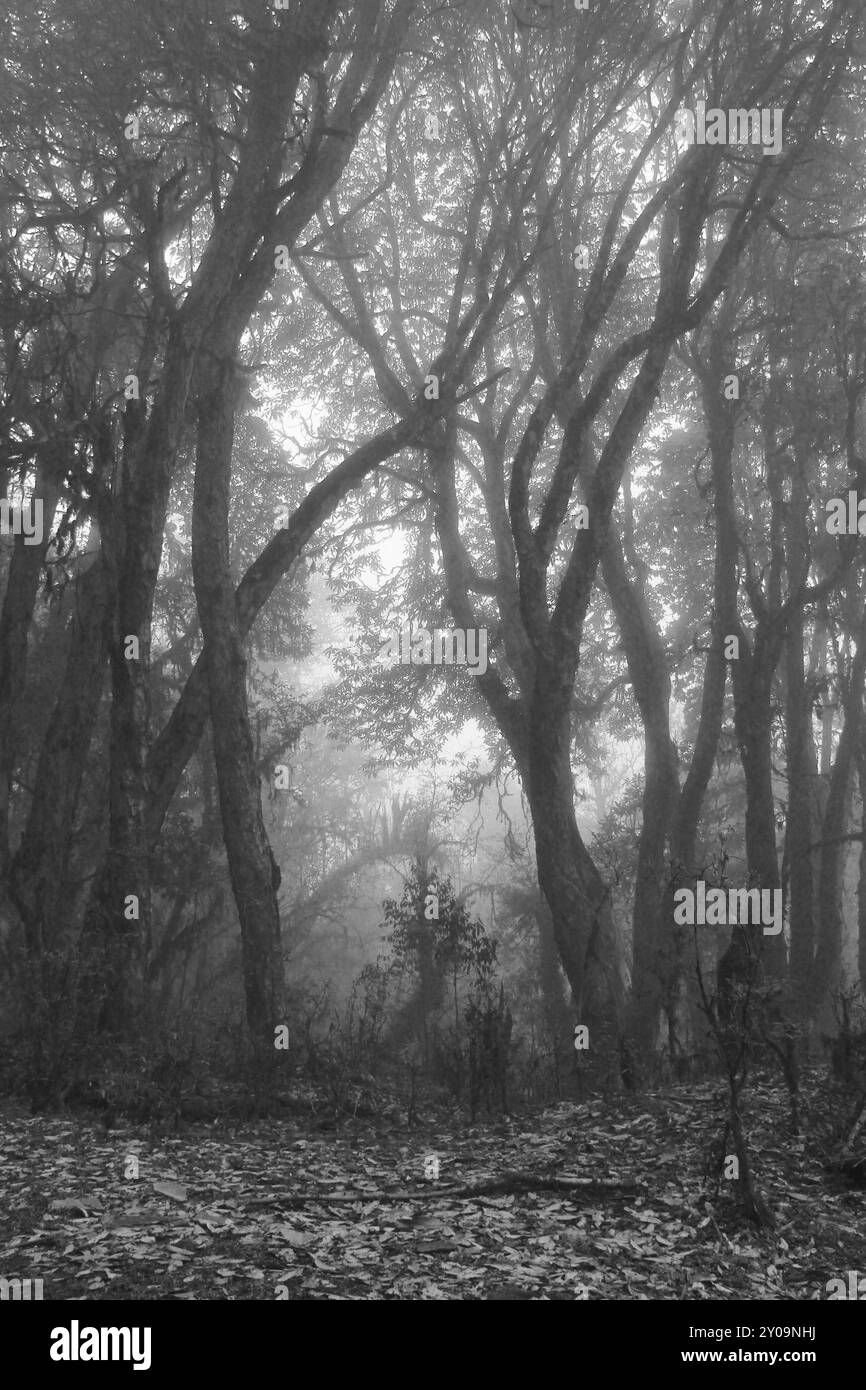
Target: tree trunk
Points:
(550, 979)
(38, 868)
(578, 898)
(253, 871)
(753, 720)
(117, 924)
(683, 1006)
(752, 672)
(654, 956)
(799, 752)
(177, 742)
(827, 971)
(19, 600)
(861, 886)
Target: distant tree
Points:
(434, 937)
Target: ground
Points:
(611, 1202)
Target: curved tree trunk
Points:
(578, 898)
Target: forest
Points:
(433, 650)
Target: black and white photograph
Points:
(432, 668)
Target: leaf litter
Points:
(576, 1202)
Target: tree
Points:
(243, 130)
(514, 550)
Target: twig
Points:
(508, 1183)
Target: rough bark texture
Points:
(827, 972)
(253, 873)
(578, 898)
(556, 1010)
(538, 725)
(38, 867)
(16, 616)
(654, 956)
(235, 269)
(861, 885)
(799, 752)
(721, 428)
(116, 933)
(752, 673)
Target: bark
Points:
(752, 674)
(753, 722)
(133, 541)
(117, 926)
(177, 742)
(654, 956)
(578, 898)
(721, 427)
(682, 1002)
(538, 726)
(254, 876)
(861, 885)
(236, 267)
(16, 617)
(550, 979)
(799, 751)
(750, 951)
(827, 971)
(538, 731)
(37, 868)
(540, 648)
(179, 739)
(39, 865)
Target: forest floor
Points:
(611, 1202)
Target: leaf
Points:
(174, 1190)
(133, 1219)
(293, 1237)
(69, 1204)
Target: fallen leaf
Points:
(175, 1190)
